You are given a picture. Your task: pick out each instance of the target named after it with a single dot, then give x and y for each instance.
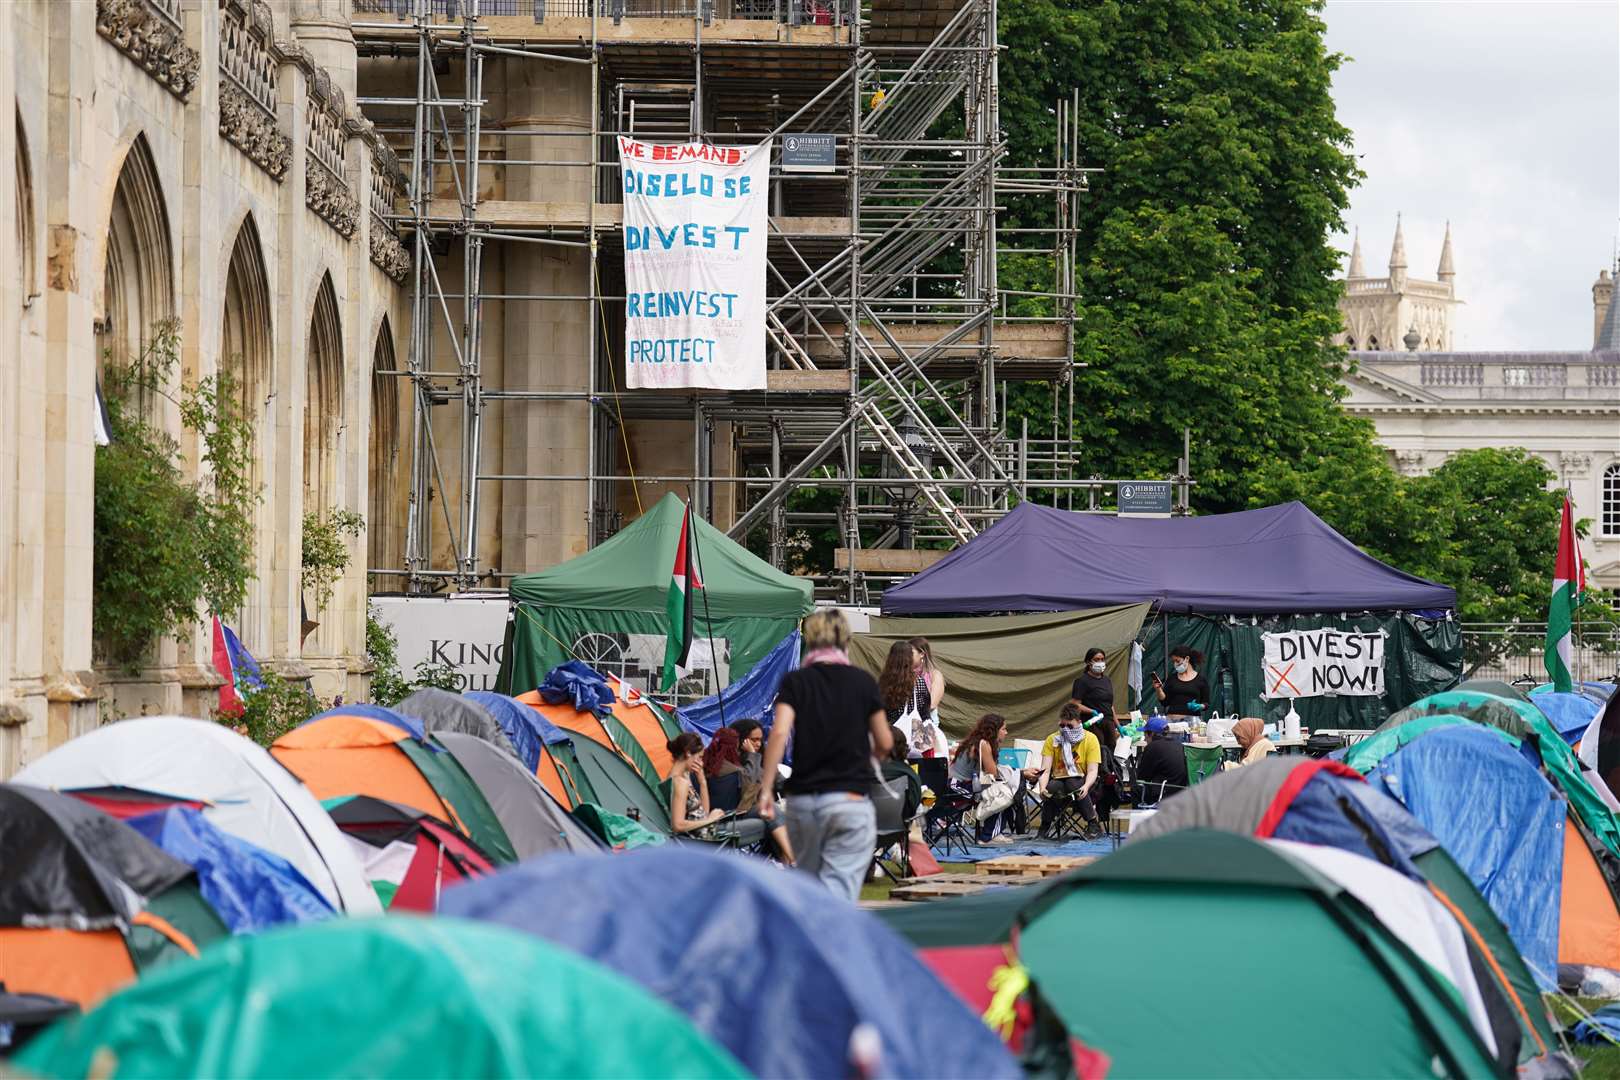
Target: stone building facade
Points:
(200, 160)
(1562, 406)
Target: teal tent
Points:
(607, 607)
(402, 997)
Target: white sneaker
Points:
(1000, 839)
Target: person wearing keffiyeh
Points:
(1070, 757)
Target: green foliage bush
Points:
(388, 684)
(326, 552)
(164, 543)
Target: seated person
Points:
(1250, 733)
(1161, 765)
(690, 814)
(974, 769)
(750, 751)
(894, 766)
(723, 771)
(1070, 757)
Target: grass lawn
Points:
(1600, 1061)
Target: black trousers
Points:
(1056, 791)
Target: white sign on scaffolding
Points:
(695, 230)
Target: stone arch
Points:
(138, 270)
(323, 400)
(383, 529)
(1372, 343)
(25, 216)
(245, 349)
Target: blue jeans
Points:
(833, 837)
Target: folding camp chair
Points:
(946, 821)
(893, 827)
(718, 838)
(1202, 761)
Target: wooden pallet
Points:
(944, 886)
(1039, 866)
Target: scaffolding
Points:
(891, 343)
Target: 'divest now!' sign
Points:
(1323, 663)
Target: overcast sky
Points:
(1503, 116)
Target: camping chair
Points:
(667, 789)
(945, 822)
(1149, 793)
(893, 827)
(1202, 761)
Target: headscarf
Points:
(1066, 740)
(1250, 734)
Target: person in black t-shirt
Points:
(1093, 691)
(1161, 770)
(834, 715)
(1187, 692)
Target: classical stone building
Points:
(1385, 312)
(200, 160)
(1428, 403)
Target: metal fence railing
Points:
(1516, 653)
(792, 12)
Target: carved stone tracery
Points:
(250, 130)
(330, 197)
(147, 36)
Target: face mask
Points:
(1098, 667)
(1070, 735)
(1180, 666)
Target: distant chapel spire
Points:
(1397, 255)
(1448, 270)
(1356, 269)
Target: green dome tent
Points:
(401, 997)
(621, 588)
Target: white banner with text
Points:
(695, 229)
(1323, 663)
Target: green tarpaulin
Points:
(620, 589)
(1421, 657)
(1020, 666)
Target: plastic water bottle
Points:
(1291, 722)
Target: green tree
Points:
(165, 543)
(1208, 291)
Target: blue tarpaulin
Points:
(528, 731)
(1571, 713)
(577, 684)
(763, 961)
(1499, 819)
(749, 698)
(252, 889)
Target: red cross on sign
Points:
(1282, 678)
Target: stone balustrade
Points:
(248, 67)
(326, 188)
(387, 182)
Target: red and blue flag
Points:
(237, 667)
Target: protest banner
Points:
(695, 230)
(1323, 663)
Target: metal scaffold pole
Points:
(901, 305)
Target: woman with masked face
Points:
(1187, 692)
(1093, 691)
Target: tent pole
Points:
(697, 559)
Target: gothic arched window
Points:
(1611, 500)
(1350, 343)
(1372, 343)
(25, 217)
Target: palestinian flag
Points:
(1568, 588)
(681, 603)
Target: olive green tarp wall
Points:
(622, 585)
(1020, 666)
(1421, 657)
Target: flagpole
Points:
(697, 564)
